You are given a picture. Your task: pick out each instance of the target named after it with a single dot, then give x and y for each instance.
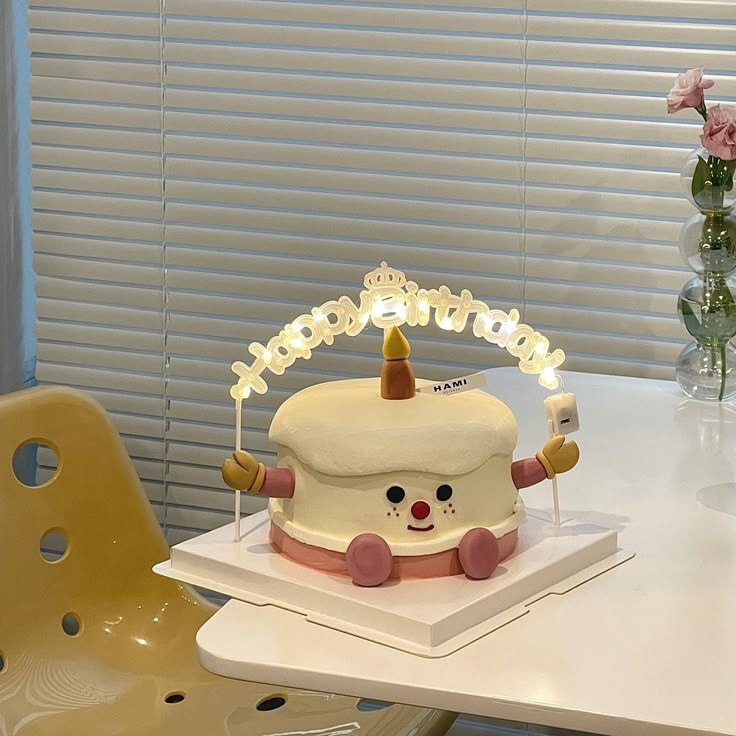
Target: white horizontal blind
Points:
(603, 200)
(97, 212)
(519, 149)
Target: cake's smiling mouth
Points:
(421, 528)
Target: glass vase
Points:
(706, 368)
(707, 373)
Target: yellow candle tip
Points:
(395, 345)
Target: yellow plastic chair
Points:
(95, 644)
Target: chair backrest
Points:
(131, 669)
(103, 583)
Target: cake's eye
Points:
(395, 494)
(444, 492)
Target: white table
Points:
(647, 649)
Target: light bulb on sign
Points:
(549, 379)
(239, 393)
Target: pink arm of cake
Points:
(527, 472)
(556, 457)
(243, 472)
(278, 483)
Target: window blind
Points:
(203, 172)
(286, 149)
(602, 192)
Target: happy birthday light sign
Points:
(387, 300)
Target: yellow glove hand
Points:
(558, 456)
(244, 472)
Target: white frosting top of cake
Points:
(345, 428)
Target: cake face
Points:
(329, 511)
(420, 473)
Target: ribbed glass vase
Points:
(706, 368)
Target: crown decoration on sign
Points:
(389, 300)
(384, 275)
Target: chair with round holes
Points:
(94, 642)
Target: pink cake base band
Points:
(440, 564)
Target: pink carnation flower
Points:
(689, 90)
(719, 132)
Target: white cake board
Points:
(431, 618)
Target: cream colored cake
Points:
(377, 480)
(347, 446)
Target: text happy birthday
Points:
(388, 300)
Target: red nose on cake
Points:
(420, 510)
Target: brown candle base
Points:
(397, 380)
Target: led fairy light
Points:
(390, 300)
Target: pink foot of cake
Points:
(479, 554)
(368, 560)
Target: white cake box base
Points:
(431, 618)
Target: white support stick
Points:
(555, 494)
(238, 446)
(556, 501)
(237, 516)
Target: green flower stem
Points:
(723, 371)
(718, 315)
(717, 179)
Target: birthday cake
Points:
(377, 479)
